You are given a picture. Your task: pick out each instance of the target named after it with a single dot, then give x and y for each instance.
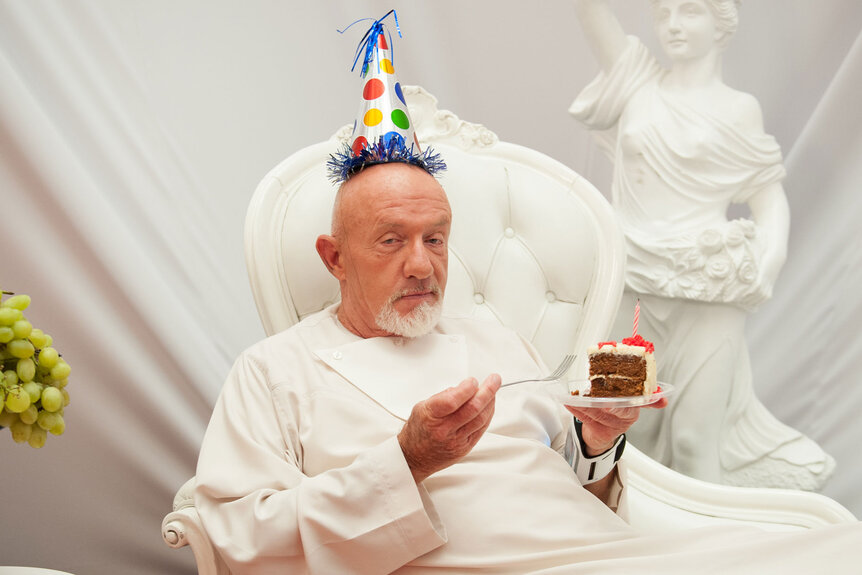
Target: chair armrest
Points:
(183, 527)
(661, 499)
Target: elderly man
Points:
(359, 441)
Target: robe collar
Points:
(398, 373)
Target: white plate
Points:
(563, 392)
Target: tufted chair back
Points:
(533, 245)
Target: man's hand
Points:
(601, 427)
(445, 427)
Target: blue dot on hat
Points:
(399, 93)
(390, 136)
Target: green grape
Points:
(9, 315)
(38, 436)
(22, 328)
(10, 377)
(59, 425)
(26, 370)
(20, 431)
(48, 356)
(19, 302)
(20, 348)
(33, 377)
(37, 338)
(52, 399)
(46, 419)
(29, 415)
(61, 370)
(7, 417)
(17, 400)
(34, 390)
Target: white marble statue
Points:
(685, 146)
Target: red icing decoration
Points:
(639, 342)
(611, 343)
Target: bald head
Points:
(399, 178)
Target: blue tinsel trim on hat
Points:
(345, 163)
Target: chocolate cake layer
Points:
(618, 364)
(612, 386)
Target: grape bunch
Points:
(33, 376)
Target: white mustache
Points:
(433, 289)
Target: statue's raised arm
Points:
(602, 29)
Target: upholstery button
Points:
(337, 355)
(453, 338)
(478, 298)
(550, 296)
(509, 232)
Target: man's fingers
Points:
(450, 400)
(478, 423)
(478, 404)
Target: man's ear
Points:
(327, 249)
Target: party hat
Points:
(383, 130)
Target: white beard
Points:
(417, 323)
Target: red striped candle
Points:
(637, 318)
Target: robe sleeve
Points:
(600, 105)
(266, 516)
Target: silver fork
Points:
(561, 370)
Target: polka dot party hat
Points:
(383, 130)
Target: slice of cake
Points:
(622, 369)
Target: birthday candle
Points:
(637, 318)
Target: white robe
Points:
(301, 472)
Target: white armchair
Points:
(533, 245)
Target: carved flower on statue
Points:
(719, 266)
(747, 271)
(738, 231)
(710, 241)
(694, 261)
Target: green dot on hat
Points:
(400, 118)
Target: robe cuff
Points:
(418, 523)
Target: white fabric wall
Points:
(133, 133)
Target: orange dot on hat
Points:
(373, 89)
(358, 145)
(372, 117)
(386, 66)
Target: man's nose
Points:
(418, 264)
(673, 21)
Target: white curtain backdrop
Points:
(133, 133)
